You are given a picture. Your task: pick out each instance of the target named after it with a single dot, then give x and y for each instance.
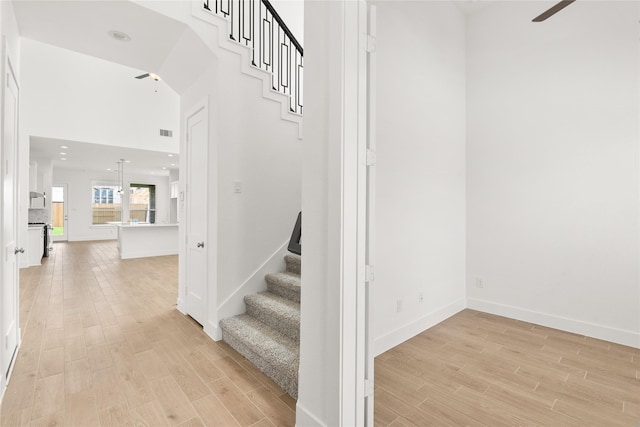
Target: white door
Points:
(59, 217)
(9, 214)
(196, 215)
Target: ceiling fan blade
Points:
(552, 11)
(142, 76)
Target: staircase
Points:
(268, 334)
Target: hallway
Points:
(103, 344)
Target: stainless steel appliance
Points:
(48, 242)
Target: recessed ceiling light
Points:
(170, 155)
(127, 161)
(64, 146)
(164, 168)
(172, 164)
(119, 36)
(108, 169)
(63, 154)
(62, 158)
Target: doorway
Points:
(59, 218)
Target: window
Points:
(106, 204)
(142, 203)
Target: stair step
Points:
(294, 263)
(273, 353)
(280, 313)
(285, 284)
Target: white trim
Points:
(352, 242)
(607, 333)
(214, 331)
(234, 304)
(304, 418)
(403, 333)
(180, 306)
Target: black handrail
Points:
(286, 29)
(295, 245)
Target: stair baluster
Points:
(274, 48)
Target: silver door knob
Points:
(18, 250)
(200, 245)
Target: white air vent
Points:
(166, 132)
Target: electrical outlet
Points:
(479, 283)
(421, 297)
(398, 306)
(237, 187)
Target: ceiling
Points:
(469, 7)
(83, 26)
(87, 156)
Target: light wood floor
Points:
(476, 369)
(103, 345)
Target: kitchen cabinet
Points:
(147, 240)
(35, 248)
(33, 176)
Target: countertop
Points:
(143, 225)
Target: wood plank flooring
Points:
(476, 369)
(103, 345)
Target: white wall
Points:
(553, 166)
(79, 199)
(420, 168)
(250, 143)
(68, 95)
(292, 13)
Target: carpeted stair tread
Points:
(293, 262)
(280, 313)
(273, 353)
(285, 284)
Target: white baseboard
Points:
(619, 336)
(213, 331)
(234, 304)
(304, 418)
(180, 306)
(412, 329)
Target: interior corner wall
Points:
(78, 201)
(553, 190)
(420, 168)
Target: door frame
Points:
(334, 388)
(65, 221)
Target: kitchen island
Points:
(146, 240)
